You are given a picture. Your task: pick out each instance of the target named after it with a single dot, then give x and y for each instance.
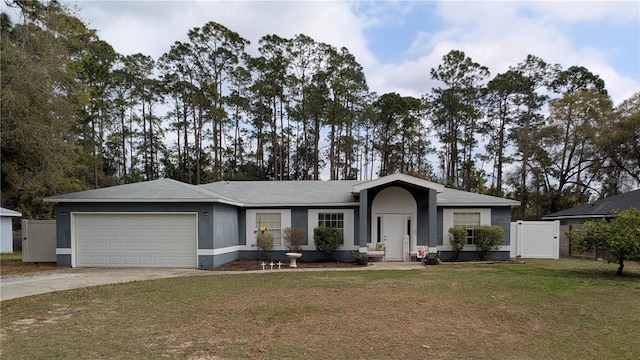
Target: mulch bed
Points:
(246, 265)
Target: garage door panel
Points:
(160, 233)
(97, 260)
(136, 240)
(174, 246)
(128, 233)
(161, 247)
(113, 233)
(144, 233)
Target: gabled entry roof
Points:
(398, 178)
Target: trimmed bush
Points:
(327, 240)
(457, 239)
(488, 238)
(264, 241)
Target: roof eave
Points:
(477, 204)
(583, 216)
(339, 204)
(129, 200)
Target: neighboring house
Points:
(6, 229)
(571, 219)
(167, 223)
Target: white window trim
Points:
(447, 223)
(252, 231)
(312, 223)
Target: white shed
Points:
(6, 229)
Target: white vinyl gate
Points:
(535, 239)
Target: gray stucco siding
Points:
(300, 219)
(242, 226)
(364, 223)
(439, 228)
(501, 216)
(474, 256)
(225, 227)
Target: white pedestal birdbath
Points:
(293, 257)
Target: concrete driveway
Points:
(67, 279)
(74, 278)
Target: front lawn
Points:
(11, 264)
(545, 309)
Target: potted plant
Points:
(294, 238)
(361, 258)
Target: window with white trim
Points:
(467, 221)
(273, 222)
(332, 220)
(333, 217)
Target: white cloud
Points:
(578, 11)
(494, 34)
(501, 34)
(151, 27)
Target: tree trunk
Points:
(620, 266)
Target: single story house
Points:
(571, 219)
(6, 229)
(167, 223)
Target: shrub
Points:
(488, 238)
(327, 240)
(620, 237)
(264, 241)
(294, 238)
(457, 239)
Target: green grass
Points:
(544, 309)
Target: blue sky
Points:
(398, 42)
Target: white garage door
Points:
(136, 240)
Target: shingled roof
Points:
(161, 190)
(286, 193)
(266, 193)
(601, 208)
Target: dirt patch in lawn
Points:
(247, 264)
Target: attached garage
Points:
(134, 240)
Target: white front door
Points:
(392, 234)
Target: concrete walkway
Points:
(68, 278)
